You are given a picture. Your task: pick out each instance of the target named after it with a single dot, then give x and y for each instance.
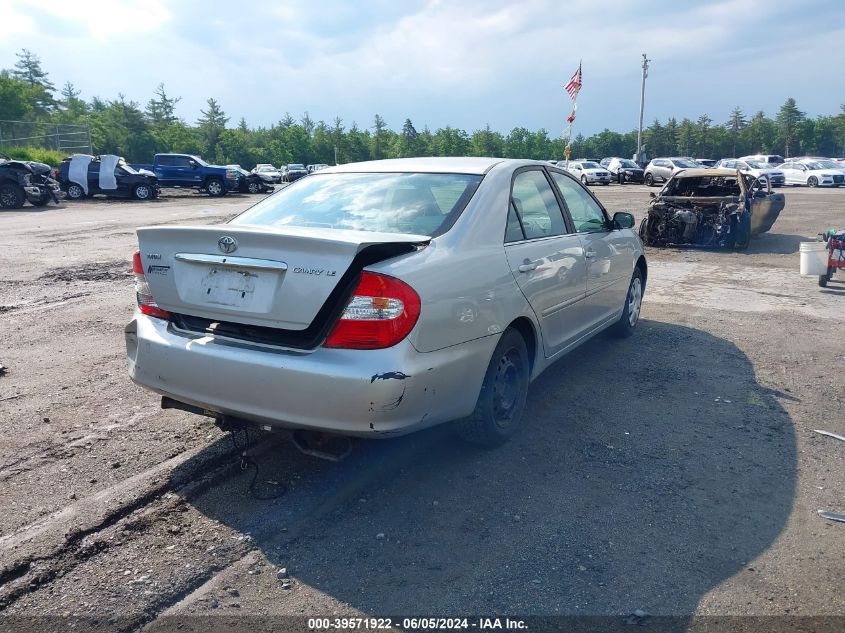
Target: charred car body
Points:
(26, 181)
(710, 208)
(82, 175)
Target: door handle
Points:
(527, 267)
(589, 254)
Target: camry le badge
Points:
(227, 244)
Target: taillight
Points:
(381, 312)
(146, 303)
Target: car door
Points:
(609, 253)
(547, 259)
(790, 173)
(94, 177)
(662, 169)
(165, 171)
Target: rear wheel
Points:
(498, 412)
(75, 191)
(11, 196)
(649, 180)
(812, 181)
(143, 192)
(823, 279)
(214, 187)
(624, 327)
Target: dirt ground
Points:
(676, 472)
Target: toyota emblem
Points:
(227, 244)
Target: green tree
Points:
(161, 109)
(28, 68)
(788, 119)
(211, 125)
(736, 124)
(407, 143)
(486, 142)
(379, 127)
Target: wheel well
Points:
(641, 264)
(526, 329)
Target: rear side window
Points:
(420, 204)
(536, 206)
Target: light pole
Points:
(646, 60)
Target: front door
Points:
(609, 253)
(546, 259)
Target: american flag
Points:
(574, 84)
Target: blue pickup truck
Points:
(192, 172)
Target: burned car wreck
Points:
(710, 208)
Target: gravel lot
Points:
(675, 472)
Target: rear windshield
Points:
(422, 204)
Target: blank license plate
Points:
(227, 287)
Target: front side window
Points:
(420, 204)
(536, 206)
(585, 212)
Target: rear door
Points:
(546, 258)
(609, 253)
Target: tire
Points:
(624, 327)
(584, 180)
(812, 181)
(142, 192)
(215, 188)
(649, 180)
(75, 191)
(254, 187)
(621, 179)
(823, 279)
(498, 412)
(11, 196)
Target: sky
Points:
(464, 63)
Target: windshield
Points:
(588, 164)
(703, 187)
(685, 163)
(756, 164)
(266, 168)
(628, 164)
(829, 164)
(200, 161)
(297, 166)
(421, 204)
(814, 164)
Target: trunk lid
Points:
(262, 276)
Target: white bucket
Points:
(813, 258)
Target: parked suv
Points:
(294, 171)
(662, 169)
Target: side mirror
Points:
(623, 220)
(192, 164)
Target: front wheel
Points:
(75, 191)
(812, 181)
(624, 327)
(143, 192)
(11, 196)
(254, 187)
(584, 180)
(649, 180)
(215, 187)
(498, 412)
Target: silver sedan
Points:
(378, 298)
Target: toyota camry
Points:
(377, 298)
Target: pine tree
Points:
(28, 68)
(735, 125)
(161, 109)
(788, 119)
(211, 125)
(378, 137)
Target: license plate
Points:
(228, 287)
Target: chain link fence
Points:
(63, 137)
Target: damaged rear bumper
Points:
(351, 392)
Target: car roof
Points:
(437, 165)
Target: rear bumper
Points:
(352, 392)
